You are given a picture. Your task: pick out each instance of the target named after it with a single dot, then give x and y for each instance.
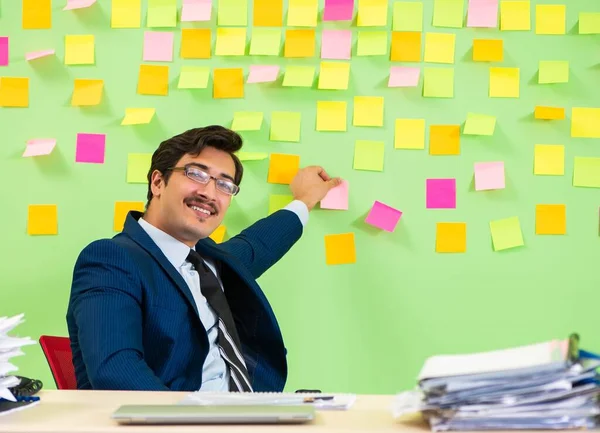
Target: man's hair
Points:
(192, 142)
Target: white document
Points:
(9, 348)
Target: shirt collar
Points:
(174, 250)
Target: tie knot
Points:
(196, 259)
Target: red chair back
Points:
(58, 354)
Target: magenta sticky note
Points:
(90, 148)
(489, 175)
(338, 10)
(383, 216)
(336, 198)
(263, 73)
(38, 54)
(482, 13)
(441, 193)
(3, 50)
(196, 10)
(39, 146)
(158, 46)
(403, 76)
(78, 4)
(336, 44)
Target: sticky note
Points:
(138, 165)
(336, 44)
(368, 111)
(193, 77)
(39, 147)
(444, 140)
(195, 44)
(14, 92)
(285, 126)
(448, 13)
(368, 155)
(87, 92)
(90, 148)
(338, 10)
(283, 168)
(336, 198)
(331, 116)
(299, 43)
(279, 201)
(409, 134)
(488, 50)
(406, 47)
(340, 249)
(552, 71)
(489, 175)
(3, 50)
(407, 16)
(252, 156)
(196, 10)
(585, 122)
(438, 82)
(33, 55)
(506, 233)
(549, 113)
(549, 159)
(404, 76)
(439, 47)
(158, 46)
(265, 42)
(230, 41)
(247, 120)
(36, 14)
(219, 234)
(372, 43)
(162, 13)
(515, 15)
(451, 238)
(550, 19)
(138, 116)
(589, 23)
(232, 13)
(79, 50)
(479, 124)
(263, 73)
(267, 13)
(586, 172)
(153, 80)
(78, 4)
(228, 83)
(550, 219)
(482, 13)
(440, 193)
(122, 208)
(126, 14)
(504, 82)
(299, 76)
(334, 76)
(42, 219)
(302, 13)
(372, 13)
(383, 216)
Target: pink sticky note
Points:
(482, 13)
(441, 193)
(78, 4)
(403, 76)
(3, 50)
(90, 148)
(383, 216)
(158, 46)
(196, 10)
(336, 198)
(338, 10)
(489, 175)
(336, 44)
(39, 146)
(38, 54)
(263, 74)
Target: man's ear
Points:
(157, 183)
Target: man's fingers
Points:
(336, 181)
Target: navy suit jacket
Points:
(134, 325)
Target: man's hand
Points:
(311, 184)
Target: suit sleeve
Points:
(106, 309)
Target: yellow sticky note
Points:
(589, 23)
(550, 19)
(219, 234)
(230, 41)
(368, 111)
(42, 219)
(14, 92)
(138, 165)
(549, 113)
(126, 14)
(162, 13)
(408, 16)
(87, 92)
(195, 43)
(331, 116)
(488, 50)
(550, 219)
(247, 120)
(369, 155)
(451, 238)
(553, 71)
(228, 83)
(302, 13)
(586, 172)
(252, 156)
(122, 208)
(409, 134)
(193, 77)
(299, 43)
(298, 76)
(504, 82)
(340, 249)
(372, 13)
(232, 12)
(585, 122)
(283, 168)
(36, 14)
(506, 233)
(285, 126)
(444, 140)
(79, 50)
(153, 80)
(406, 47)
(279, 201)
(268, 13)
(439, 47)
(265, 42)
(138, 116)
(334, 75)
(549, 159)
(515, 15)
(372, 43)
(479, 124)
(438, 82)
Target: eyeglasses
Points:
(201, 176)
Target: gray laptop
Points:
(197, 414)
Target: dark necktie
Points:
(228, 339)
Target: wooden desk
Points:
(89, 411)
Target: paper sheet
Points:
(42, 219)
(506, 233)
(369, 155)
(368, 111)
(404, 76)
(406, 47)
(441, 193)
(515, 15)
(195, 44)
(263, 73)
(230, 41)
(409, 134)
(267, 13)
(407, 16)
(153, 80)
(439, 47)
(334, 76)
(479, 124)
(285, 126)
(158, 46)
(299, 43)
(444, 140)
(589, 23)
(252, 156)
(586, 172)
(279, 201)
(336, 198)
(138, 165)
(340, 249)
(4, 50)
(549, 113)
(138, 116)
(489, 175)
(302, 13)
(550, 19)
(162, 13)
(438, 82)
(39, 147)
(553, 71)
(90, 148)
(126, 14)
(504, 82)
(79, 50)
(549, 159)
(451, 237)
(193, 77)
(87, 92)
(488, 50)
(228, 83)
(122, 208)
(33, 55)
(585, 122)
(550, 219)
(338, 10)
(331, 116)
(196, 10)
(247, 120)
(371, 13)
(283, 168)
(78, 4)
(482, 13)
(232, 13)
(219, 234)
(36, 14)
(265, 42)
(298, 76)
(383, 216)
(14, 92)
(372, 43)
(448, 13)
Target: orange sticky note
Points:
(14, 92)
(228, 83)
(406, 47)
(268, 13)
(283, 168)
(36, 14)
(451, 238)
(550, 219)
(87, 92)
(299, 43)
(444, 140)
(195, 44)
(219, 234)
(340, 249)
(42, 219)
(122, 208)
(549, 113)
(488, 50)
(153, 80)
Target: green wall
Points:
(365, 327)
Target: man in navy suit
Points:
(161, 306)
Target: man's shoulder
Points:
(118, 248)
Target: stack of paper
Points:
(9, 348)
(551, 385)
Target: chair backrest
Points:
(58, 354)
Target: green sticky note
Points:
(285, 126)
(252, 156)
(247, 120)
(506, 233)
(279, 201)
(368, 155)
(372, 43)
(265, 42)
(448, 13)
(408, 17)
(438, 82)
(586, 172)
(589, 23)
(299, 76)
(162, 13)
(232, 12)
(138, 165)
(552, 71)
(193, 77)
(479, 124)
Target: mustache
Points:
(200, 200)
